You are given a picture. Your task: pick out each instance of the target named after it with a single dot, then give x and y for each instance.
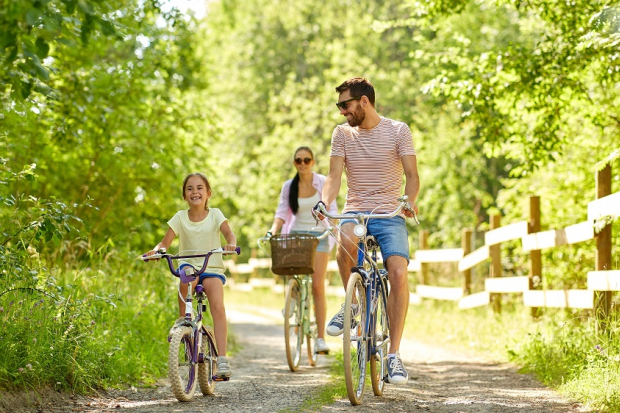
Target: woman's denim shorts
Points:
(323, 243)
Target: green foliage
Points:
(123, 125)
(552, 66)
(77, 333)
(30, 29)
(64, 328)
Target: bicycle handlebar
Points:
(404, 204)
(169, 257)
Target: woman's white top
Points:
(304, 220)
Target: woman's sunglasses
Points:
(298, 161)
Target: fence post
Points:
(423, 236)
(466, 245)
(535, 255)
(602, 299)
(496, 264)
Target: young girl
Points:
(198, 229)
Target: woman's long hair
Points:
(294, 193)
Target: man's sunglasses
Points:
(307, 161)
(343, 105)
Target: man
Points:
(375, 152)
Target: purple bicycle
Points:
(192, 353)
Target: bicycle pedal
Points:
(216, 378)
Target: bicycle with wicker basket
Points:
(292, 255)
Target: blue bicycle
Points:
(367, 338)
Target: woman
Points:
(294, 215)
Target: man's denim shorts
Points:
(323, 243)
(390, 233)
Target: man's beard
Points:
(357, 117)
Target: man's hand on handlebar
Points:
(411, 211)
(316, 211)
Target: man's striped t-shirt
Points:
(372, 163)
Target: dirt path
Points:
(442, 381)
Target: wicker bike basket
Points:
(293, 254)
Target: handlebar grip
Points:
(238, 250)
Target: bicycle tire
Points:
(293, 328)
(378, 360)
(181, 368)
(206, 369)
(311, 332)
(354, 341)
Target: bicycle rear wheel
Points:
(378, 360)
(354, 340)
(206, 368)
(181, 367)
(293, 329)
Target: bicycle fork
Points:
(378, 344)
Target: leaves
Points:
(29, 29)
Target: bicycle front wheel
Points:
(378, 358)
(293, 328)
(206, 367)
(311, 331)
(181, 365)
(354, 340)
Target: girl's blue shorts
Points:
(206, 274)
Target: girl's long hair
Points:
(294, 193)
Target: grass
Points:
(89, 328)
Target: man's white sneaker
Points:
(396, 370)
(334, 328)
(321, 346)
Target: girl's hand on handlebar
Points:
(148, 254)
(229, 247)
